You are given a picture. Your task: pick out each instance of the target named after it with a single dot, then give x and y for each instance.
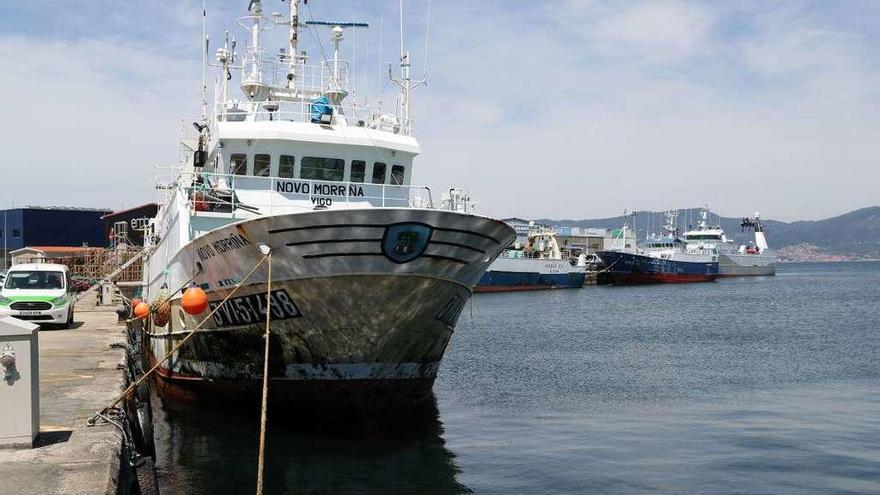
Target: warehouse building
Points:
(50, 227)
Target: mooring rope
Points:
(183, 341)
(261, 459)
(606, 268)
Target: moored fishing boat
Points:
(368, 278)
(753, 259)
(660, 259)
(537, 265)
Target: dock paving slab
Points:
(78, 376)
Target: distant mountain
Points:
(854, 235)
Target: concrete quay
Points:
(78, 376)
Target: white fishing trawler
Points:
(537, 265)
(368, 278)
(734, 260)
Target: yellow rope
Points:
(260, 462)
(182, 341)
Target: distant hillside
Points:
(852, 235)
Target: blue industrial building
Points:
(51, 226)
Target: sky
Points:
(554, 109)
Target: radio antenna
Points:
(427, 37)
(204, 61)
(405, 82)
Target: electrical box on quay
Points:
(19, 383)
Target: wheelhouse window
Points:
(315, 168)
(397, 175)
(358, 171)
(238, 164)
(261, 165)
(285, 167)
(378, 173)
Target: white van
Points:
(38, 292)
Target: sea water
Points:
(752, 385)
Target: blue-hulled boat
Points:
(539, 265)
(660, 259)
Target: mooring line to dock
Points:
(606, 268)
(183, 341)
(260, 461)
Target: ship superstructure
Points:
(368, 277)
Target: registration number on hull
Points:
(249, 309)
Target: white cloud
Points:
(88, 120)
(646, 127)
(656, 31)
(562, 110)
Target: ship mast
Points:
(337, 91)
(256, 12)
(704, 218)
(670, 227)
(204, 62)
(292, 43)
(406, 83)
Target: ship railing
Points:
(187, 131)
(307, 78)
(239, 195)
(301, 111)
(165, 181)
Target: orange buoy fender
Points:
(194, 301)
(142, 310)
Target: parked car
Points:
(40, 292)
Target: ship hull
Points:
(746, 265)
(628, 268)
(354, 324)
(512, 274)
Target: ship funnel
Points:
(761, 241)
(760, 236)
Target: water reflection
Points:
(215, 451)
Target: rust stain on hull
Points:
(366, 352)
